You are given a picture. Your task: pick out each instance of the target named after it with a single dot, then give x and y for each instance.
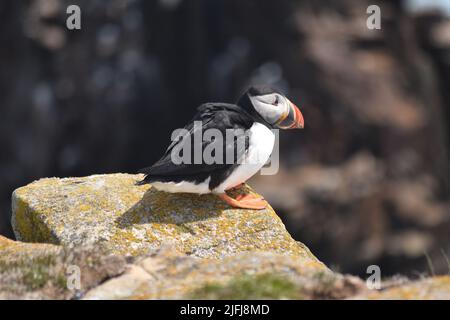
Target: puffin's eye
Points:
(275, 103)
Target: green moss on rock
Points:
(263, 286)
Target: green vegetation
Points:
(263, 286)
(32, 272)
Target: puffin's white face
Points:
(270, 106)
(277, 110)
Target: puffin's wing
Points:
(217, 116)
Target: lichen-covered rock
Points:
(170, 275)
(212, 252)
(10, 248)
(28, 269)
(130, 219)
(41, 271)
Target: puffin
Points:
(258, 111)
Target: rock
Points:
(128, 219)
(133, 242)
(41, 271)
(29, 270)
(171, 275)
(10, 248)
(127, 286)
(434, 288)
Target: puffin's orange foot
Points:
(247, 201)
(248, 197)
(239, 186)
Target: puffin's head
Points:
(272, 106)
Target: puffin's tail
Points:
(142, 182)
(146, 179)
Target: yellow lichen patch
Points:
(8, 246)
(131, 219)
(33, 229)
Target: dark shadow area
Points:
(147, 210)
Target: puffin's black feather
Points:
(220, 116)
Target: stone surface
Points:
(170, 275)
(29, 270)
(133, 242)
(167, 275)
(41, 271)
(130, 219)
(434, 288)
(9, 248)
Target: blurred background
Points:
(367, 181)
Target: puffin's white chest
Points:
(260, 148)
(183, 186)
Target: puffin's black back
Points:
(220, 116)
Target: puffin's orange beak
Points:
(293, 120)
(299, 122)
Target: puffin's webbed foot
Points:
(247, 201)
(238, 187)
